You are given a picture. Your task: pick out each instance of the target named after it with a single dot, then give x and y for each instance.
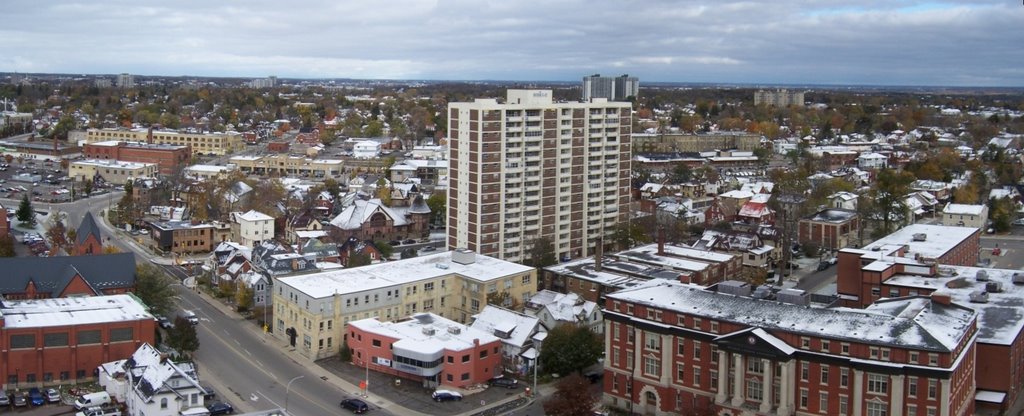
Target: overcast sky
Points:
(877, 42)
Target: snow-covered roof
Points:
(374, 276)
(79, 310)
(518, 326)
(963, 209)
(253, 215)
(412, 337)
(152, 370)
(355, 215)
(737, 194)
(1000, 320)
(939, 239)
(908, 322)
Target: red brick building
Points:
(5, 227)
(427, 348)
(831, 229)
(169, 158)
(87, 238)
(63, 276)
(673, 348)
(56, 341)
(278, 146)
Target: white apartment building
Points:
(251, 227)
(612, 88)
(530, 167)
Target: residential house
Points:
(355, 246)
(228, 261)
(251, 227)
(322, 252)
(514, 329)
(871, 161)
(304, 226)
(274, 259)
(756, 211)
(754, 252)
(150, 383)
(965, 215)
(843, 200)
(554, 309)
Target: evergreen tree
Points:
(569, 349)
(183, 337)
(25, 214)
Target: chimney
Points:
(941, 298)
(598, 251)
(661, 240)
(149, 135)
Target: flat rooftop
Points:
(113, 163)
(411, 334)
(391, 273)
(35, 313)
(939, 239)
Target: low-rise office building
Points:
(181, 237)
(312, 310)
(169, 158)
(201, 143)
(427, 347)
(63, 340)
(112, 171)
(285, 164)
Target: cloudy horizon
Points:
(872, 42)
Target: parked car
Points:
(1018, 221)
(36, 396)
(190, 316)
(393, 243)
(355, 405)
(822, 265)
(165, 323)
(506, 382)
(997, 251)
(409, 241)
(446, 396)
(428, 248)
(5, 400)
(20, 400)
(52, 396)
(220, 408)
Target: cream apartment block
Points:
(312, 310)
(113, 171)
(284, 164)
(531, 167)
(201, 143)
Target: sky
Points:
(870, 42)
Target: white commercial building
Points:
(531, 167)
(251, 227)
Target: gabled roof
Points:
(354, 216)
(52, 274)
(152, 372)
(513, 328)
(86, 228)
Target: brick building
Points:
(831, 229)
(169, 158)
(428, 348)
(87, 238)
(5, 226)
(673, 348)
(63, 276)
(59, 341)
(183, 237)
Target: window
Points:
(59, 339)
(714, 327)
(911, 386)
(629, 360)
(845, 348)
(163, 403)
(823, 402)
(911, 410)
(653, 341)
(526, 279)
(755, 366)
(874, 352)
(843, 403)
(652, 366)
(933, 359)
(465, 358)
(696, 350)
(483, 354)
(714, 353)
(824, 374)
(754, 389)
(615, 357)
(885, 354)
(803, 398)
(913, 357)
(465, 376)
(805, 371)
(878, 383)
(876, 408)
(714, 381)
(428, 286)
(844, 377)
(376, 343)
(680, 346)
(824, 345)
(680, 372)
(23, 341)
(805, 342)
(932, 388)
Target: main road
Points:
(249, 369)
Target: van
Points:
(190, 317)
(92, 400)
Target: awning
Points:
(988, 396)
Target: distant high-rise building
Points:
(530, 168)
(778, 98)
(125, 81)
(612, 88)
(268, 82)
(102, 83)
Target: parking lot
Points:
(53, 184)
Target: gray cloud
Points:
(894, 42)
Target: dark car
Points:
(355, 405)
(508, 383)
(823, 265)
(594, 376)
(36, 396)
(394, 243)
(409, 241)
(165, 323)
(220, 408)
(446, 396)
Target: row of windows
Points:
(61, 339)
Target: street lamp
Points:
(287, 391)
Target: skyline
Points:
(884, 43)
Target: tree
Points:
(183, 337)
(243, 298)
(572, 398)
(408, 253)
(153, 288)
(385, 249)
(438, 207)
(630, 234)
(56, 233)
(345, 354)
(541, 254)
(126, 206)
(25, 214)
(87, 187)
(885, 207)
(358, 259)
(570, 348)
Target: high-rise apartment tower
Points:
(612, 88)
(532, 167)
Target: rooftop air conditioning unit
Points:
(1018, 278)
(920, 236)
(994, 287)
(981, 276)
(979, 296)
(454, 330)
(429, 330)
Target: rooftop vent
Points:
(994, 287)
(793, 296)
(429, 330)
(982, 276)
(762, 292)
(441, 266)
(454, 330)
(463, 256)
(734, 287)
(920, 237)
(979, 296)
(1018, 278)
(946, 271)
